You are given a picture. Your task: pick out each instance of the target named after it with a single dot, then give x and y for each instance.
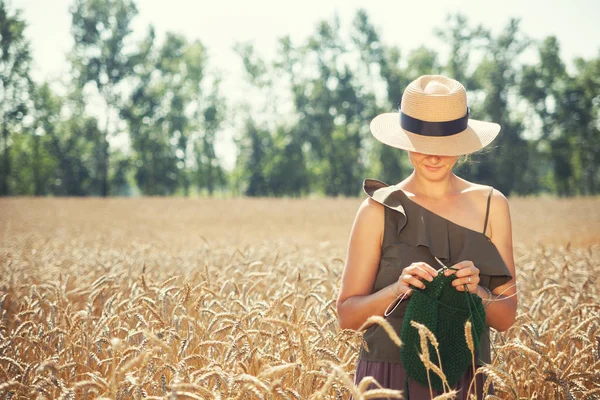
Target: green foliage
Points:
(172, 122)
(323, 147)
(15, 90)
(304, 124)
(100, 29)
(210, 174)
(70, 143)
(502, 167)
(568, 108)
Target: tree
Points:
(181, 67)
(497, 76)
(147, 115)
(15, 84)
(46, 113)
(271, 157)
(252, 158)
(543, 85)
(387, 163)
(68, 136)
(208, 112)
(209, 172)
(463, 40)
(169, 109)
(100, 30)
(331, 107)
(580, 111)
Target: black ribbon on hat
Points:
(427, 128)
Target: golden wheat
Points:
(235, 299)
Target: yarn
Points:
(444, 311)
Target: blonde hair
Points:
(463, 159)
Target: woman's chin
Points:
(434, 174)
(433, 170)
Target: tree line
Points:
(304, 127)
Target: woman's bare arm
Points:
(356, 303)
(501, 312)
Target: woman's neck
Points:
(438, 190)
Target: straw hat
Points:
(434, 119)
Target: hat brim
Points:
(386, 128)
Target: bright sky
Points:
(221, 23)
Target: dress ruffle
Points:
(446, 240)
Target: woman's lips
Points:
(432, 169)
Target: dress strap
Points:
(487, 211)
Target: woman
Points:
(400, 230)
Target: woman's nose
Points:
(434, 159)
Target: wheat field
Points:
(235, 299)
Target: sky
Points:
(219, 24)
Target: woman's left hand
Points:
(467, 274)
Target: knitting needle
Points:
(401, 297)
(441, 263)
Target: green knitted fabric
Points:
(444, 310)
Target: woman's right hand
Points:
(413, 275)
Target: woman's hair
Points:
(463, 159)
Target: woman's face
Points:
(430, 166)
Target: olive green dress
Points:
(413, 233)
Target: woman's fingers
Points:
(470, 288)
(471, 281)
(425, 267)
(467, 271)
(412, 275)
(462, 267)
(419, 270)
(465, 268)
(467, 274)
(429, 269)
(412, 280)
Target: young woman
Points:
(400, 230)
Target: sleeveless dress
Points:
(413, 233)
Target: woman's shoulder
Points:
(370, 219)
(381, 194)
(370, 207)
(491, 201)
(479, 190)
